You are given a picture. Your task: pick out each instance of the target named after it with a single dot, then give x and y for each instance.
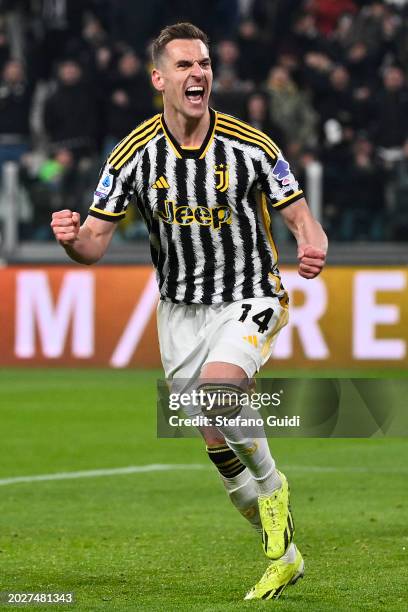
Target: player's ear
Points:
(157, 80)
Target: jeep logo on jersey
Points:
(223, 177)
(281, 171)
(170, 212)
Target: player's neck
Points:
(189, 132)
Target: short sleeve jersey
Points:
(207, 210)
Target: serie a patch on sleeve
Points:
(283, 174)
(105, 185)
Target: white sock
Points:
(290, 554)
(254, 453)
(243, 493)
(270, 481)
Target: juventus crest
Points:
(223, 177)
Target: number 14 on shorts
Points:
(261, 318)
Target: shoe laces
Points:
(272, 511)
(271, 571)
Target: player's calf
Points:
(226, 404)
(240, 486)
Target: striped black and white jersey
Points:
(207, 210)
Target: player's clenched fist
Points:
(65, 225)
(311, 261)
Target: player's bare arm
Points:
(86, 243)
(310, 237)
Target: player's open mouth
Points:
(195, 94)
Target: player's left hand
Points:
(311, 260)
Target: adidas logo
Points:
(161, 183)
(251, 339)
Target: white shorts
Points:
(242, 333)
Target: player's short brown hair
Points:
(186, 31)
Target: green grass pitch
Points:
(171, 541)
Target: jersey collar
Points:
(191, 153)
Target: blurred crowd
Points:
(326, 79)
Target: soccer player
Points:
(205, 183)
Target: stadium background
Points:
(328, 81)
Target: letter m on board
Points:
(40, 316)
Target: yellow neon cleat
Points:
(277, 523)
(277, 577)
